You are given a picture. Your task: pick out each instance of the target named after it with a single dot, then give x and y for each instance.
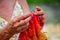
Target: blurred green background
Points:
(52, 9)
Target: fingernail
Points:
(38, 9)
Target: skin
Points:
(7, 7)
(19, 23)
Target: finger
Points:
(22, 17)
(23, 22)
(42, 18)
(39, 13)
(38, 8)
(23, 28)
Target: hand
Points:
(38, 11)
(18, 24)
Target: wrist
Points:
(7, 32)
(4, 35)
(10, 29)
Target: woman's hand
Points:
(38, 11)
(19, 24)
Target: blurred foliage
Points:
(42, 1)
(51, 7)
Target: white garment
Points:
(17, 12)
